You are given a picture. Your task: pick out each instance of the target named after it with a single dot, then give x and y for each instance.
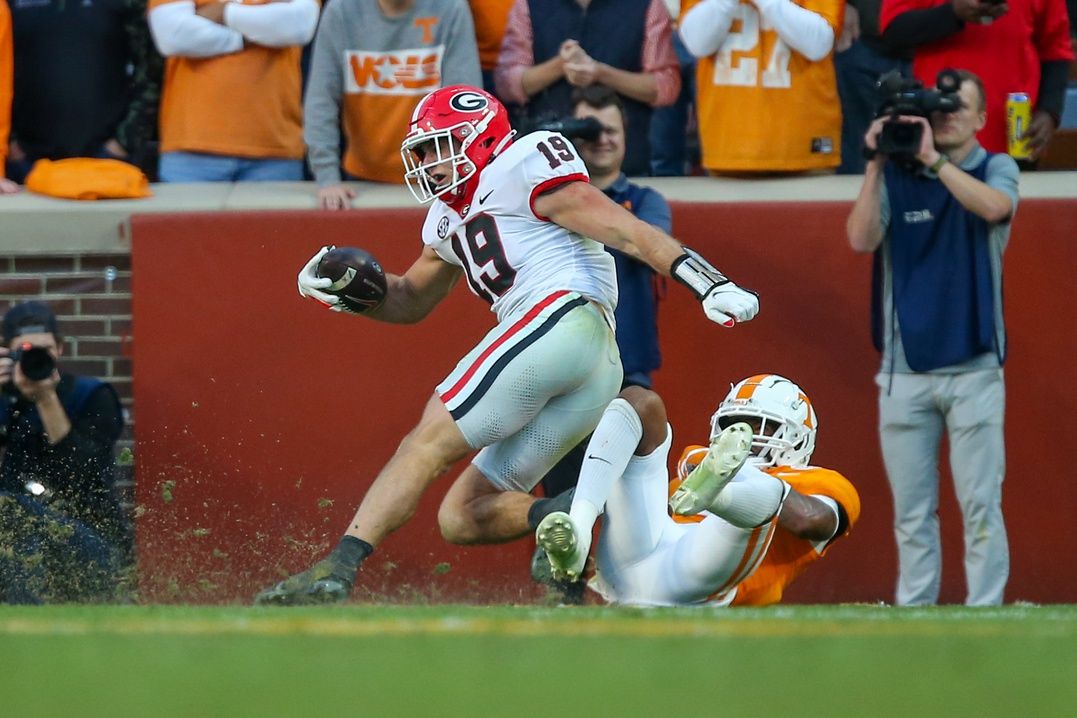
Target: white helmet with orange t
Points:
(781, 416)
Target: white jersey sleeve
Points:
(548, 160)
(512, 257)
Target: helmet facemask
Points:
(782, 419)
(447, 145)
(463, 128)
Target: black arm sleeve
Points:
(1053, 79)
(919, 27)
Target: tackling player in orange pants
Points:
(749, 514)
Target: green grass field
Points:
(1018, 661)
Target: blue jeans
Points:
(53, 558)
(669, 125)
(857, 70)
(199, 167)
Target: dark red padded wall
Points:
(262, 417)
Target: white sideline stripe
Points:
(628, 627)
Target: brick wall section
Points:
(91, 295)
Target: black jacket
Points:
(78, 471)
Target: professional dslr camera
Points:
(586, 128)
(899, 95)
(36, 362)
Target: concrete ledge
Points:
(31, 224)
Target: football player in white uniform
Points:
(749, 513)
(519, 221)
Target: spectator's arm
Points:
(918, 27)
(321, 109)
(989, 203)
(1003, 176)
(642, 86)
(659, 59)
(54, 419)
(704, 28)
(460, 66)
(1051, 37)
(85, 440)
(1054, 76)
(807, 32)
(275, 24)
(864, 226)
(138, 122)
(517, 77)
(178, 31)
(7, 80)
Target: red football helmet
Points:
(458, 124)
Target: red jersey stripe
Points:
(550, 184)
(512, 331)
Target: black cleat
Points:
(324, 582)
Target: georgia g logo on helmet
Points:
(468, 101)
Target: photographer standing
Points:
(61, 526)
(938, 223)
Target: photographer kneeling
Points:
(63, 534)
(938, 222)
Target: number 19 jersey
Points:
(512, 257)
(762, 106)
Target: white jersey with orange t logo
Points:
(512, 257)
(368, 72)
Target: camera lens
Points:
(36, 363)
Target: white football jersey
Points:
(511, 257)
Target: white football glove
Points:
(723, 302)
(311, 285)
(728, 304)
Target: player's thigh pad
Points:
(534, 389)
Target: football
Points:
(358, 278)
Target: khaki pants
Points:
(912, 416)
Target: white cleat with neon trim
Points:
(728, 452)
(565, 547)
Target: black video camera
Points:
(898, 95)
(585, 128)
(36, 362)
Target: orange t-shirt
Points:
(788, 556)
(763, 106)
(245, 104)
(7, 80)
(490, 17)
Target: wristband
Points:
(942, 160)
(696, 273)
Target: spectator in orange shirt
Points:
(231, 109)
(623, 44)
(7, 77)
(767, 95)
(491, 18)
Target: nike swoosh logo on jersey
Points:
(599, 458)
(485, 197)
